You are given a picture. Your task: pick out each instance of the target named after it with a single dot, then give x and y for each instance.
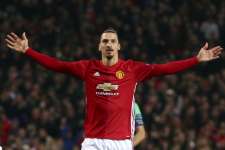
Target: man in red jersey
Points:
(110, 85)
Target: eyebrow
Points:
(105, 40)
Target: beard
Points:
(109, 57)
(109, 53)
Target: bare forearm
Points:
(139, 136)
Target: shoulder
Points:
(88, 61)
(81, 64)
(130, 62)
(136, 63)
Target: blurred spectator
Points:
(5, 127)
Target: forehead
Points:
(109, 36)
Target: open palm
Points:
(16, 43)
(206, 54)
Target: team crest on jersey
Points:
(120, 74)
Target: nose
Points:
(108, 44)
(109, 47)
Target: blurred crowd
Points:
(42, 110)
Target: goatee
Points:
(109, 57)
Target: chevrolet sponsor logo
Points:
(107, 87)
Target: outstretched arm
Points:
(204, 55)
(146, 71)
(18, 44)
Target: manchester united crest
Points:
(120, 74)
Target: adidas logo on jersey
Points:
(97, 74)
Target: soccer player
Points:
(110, 84)
(139, 135)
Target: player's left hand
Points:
(206, 54)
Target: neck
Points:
(109, 61)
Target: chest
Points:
(118, 75)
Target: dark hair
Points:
(110, 30)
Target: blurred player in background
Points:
(139, 134)
(110, 85)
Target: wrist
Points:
(198, 58)
(25, 49)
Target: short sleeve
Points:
(138, 116)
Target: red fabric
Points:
(76, 68)
(218, 138)
(110, 90)
(5, 129)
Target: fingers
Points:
(24, 36)
(9, 37)
(215, 48)
(206, 46)
(14, 35)
(217, 52)
(215, 57)
(10, 46)
(10, 42)
(218, 49)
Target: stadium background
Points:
(44, 110)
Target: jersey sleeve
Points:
(76, 68)
(145, 71)
(138, 116)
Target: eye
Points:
(104, 41)
(113, 41)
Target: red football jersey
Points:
(110, 90)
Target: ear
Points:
(99, 47)
(119, 47)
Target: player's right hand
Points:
(16, 43)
